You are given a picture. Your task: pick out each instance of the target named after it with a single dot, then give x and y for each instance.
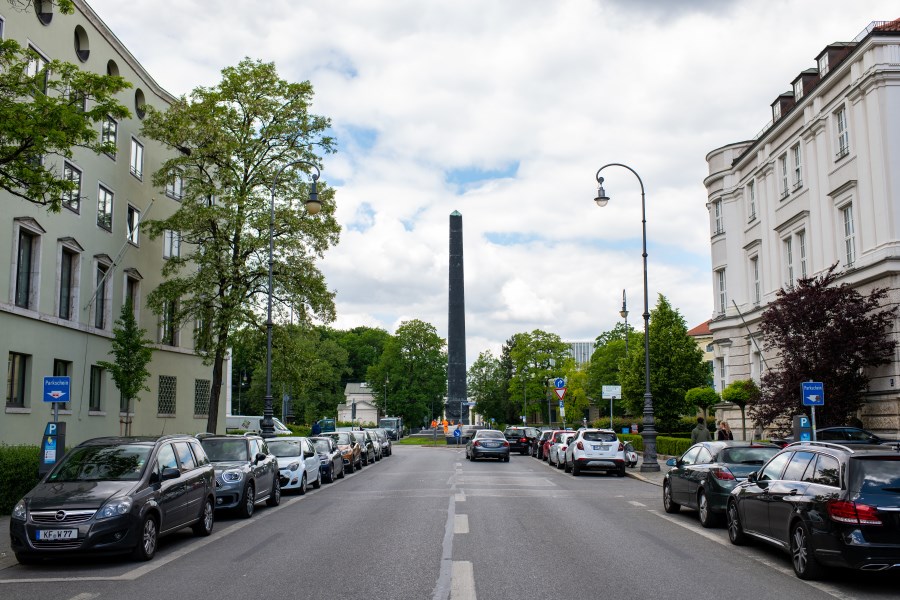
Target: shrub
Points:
(636, 440)
(18, 474)
(672, 446)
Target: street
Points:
(425, 523)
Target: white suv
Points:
(598, 449)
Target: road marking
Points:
(462, 584)
(824, 587)
(461, 524)
(461, 497)
(84, 596)
(636, 503)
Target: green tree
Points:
(415, 363)
(606, 360)
(132, 352)
(823, 332)
(230, 141)
(742, 392)
(364, 346)
(676, 365)
(577, 402)
(702, 397)
(536, 357)
(486, 385)
(49, 109)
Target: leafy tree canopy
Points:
(701, 397)
(536, 358)
(486, 386)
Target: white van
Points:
(253, 423)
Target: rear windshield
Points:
(875, 474)
(599, 436)
(489, 434)
(747, 456)
(561, 435)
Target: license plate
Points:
(57, 534)
(602, 447)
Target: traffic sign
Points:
(56, 389)
(560, 392)
(456, 433)
(562, 404)
(813, 393)
(559, 382)
(612, 391)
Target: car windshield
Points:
(360, 437)
(489, 434)
(512, 431)
(285, 448)
(119, 462)
(599, 436)
(747, 456)
(875, 474)
(321, 446)
(222, 450)
(341, 437)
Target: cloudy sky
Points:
(504, 110)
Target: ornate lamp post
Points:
(624, 314)
(313, 206)
(649, 434)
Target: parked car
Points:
(467, 431)
(384, 440)
(556, 454)
(702, 478)
(826, 504)
(842, 435)
(535, 441)
(488, 442)
(331, 458)
(351, 450)
(116, 495)
(246, 472)
(299, 464)
(377, 444)
(595, 449)
(367, 446)
(542, 444)
(519, 438)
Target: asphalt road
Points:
(427, 524)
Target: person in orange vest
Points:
(445, 426)
(433, 423)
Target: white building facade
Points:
(65, 276)
(819, 185)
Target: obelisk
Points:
(456, 327)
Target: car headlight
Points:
(232, 475)
(114, 508)
(293, 466)
(20, 512)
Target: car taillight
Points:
(523, 440)
(621, 446)
(851, 512)
(506, 444)
(722, 474)
(580, 446)
(476, 443)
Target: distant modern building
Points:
(581, 351)
(818, 185)
(65, 276)
(361, 395)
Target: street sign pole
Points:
(813, 395)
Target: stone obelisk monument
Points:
(456, 327)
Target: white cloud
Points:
(558, 88)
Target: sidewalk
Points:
(7, 558)
(654, 477)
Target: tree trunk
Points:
(744, 423)
(215, 389)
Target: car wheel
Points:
(249, 504)
(474, 457)
(707, 517)
(204, 526)
(621, 471)
(318, 482)
(350, 468)
(148, 539)
(275, 495)
(802, 555)
(303, 484)
(341, 474)
(576, 470)
(506, 458)
(669, 505)
(565, 466)
(735, 530)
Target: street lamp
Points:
(313, 206)
(624, 314)
(649, 434)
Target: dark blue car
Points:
(332, 460)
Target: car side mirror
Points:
(672, 462)
(170, 473)
(752, 477)
(260, 457)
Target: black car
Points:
(842, 435)
(116, 495)
(520, 438)
(367, 444)
(826, 504)
(246, 472)
(539, 444)
(331, 457)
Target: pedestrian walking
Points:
(724, 433)
(700, 433)
(316, 428)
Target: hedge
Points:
(18, 474)
(670, 446)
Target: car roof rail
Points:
(844, 447)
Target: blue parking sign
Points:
(56, 389)
(813, 393)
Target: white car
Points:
(298, 463)
(557, 453)
(595, 449)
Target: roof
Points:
(701, 329)
(358, 388)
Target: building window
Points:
(37, 69)
(202, 389)
(849, 235)
(72, 198)
(168, 332)
(798, 90)
(62, 368)
(789, 262)
(722, 372)
(68, 269)
(720, 288)
(175, 187)
(843, 134)
(16, 376)
(137, 159)
(756, 367)
(798, 167)
(166, 395)
(132, 223)
(719, 224)
(823, 65)
(754, 272)
(783, 168)
(751, 199)
(109, 134)
(96, 389)
(101, 300)
(133, 293)
(26, 269)
(171, 244)
(801, 244)
(104, 208)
